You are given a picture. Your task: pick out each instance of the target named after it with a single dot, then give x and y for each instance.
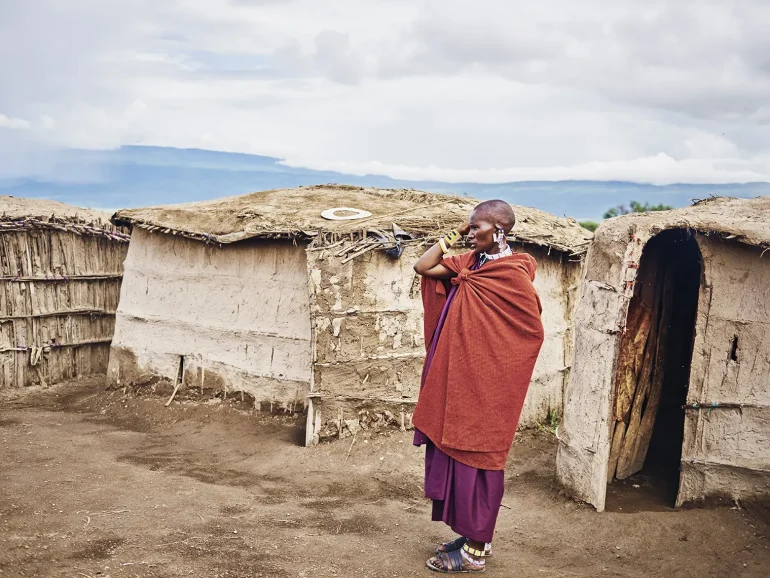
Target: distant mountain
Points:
(134, 176)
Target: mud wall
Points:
(367, 336)
(558, 284)
(237, 314)
(726, 451)
(584, 444)
(58, 296)
(368, 340)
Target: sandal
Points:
(455, 562)
(458, 543)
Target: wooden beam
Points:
(63, 278)
(58, 345)
(59, 313)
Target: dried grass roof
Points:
(296, 213)
(17, 214)
(742, 220)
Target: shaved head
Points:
(498, 212)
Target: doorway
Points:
(653, 374)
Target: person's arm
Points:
(429, 265)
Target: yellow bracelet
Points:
(443, 246)
(452, 237)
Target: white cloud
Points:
(16, 123)
(442, 89)
(47, 123)
(660, 169)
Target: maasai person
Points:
(483, 334)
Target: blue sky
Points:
(439, 91)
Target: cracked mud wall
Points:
(367, 334)
(238, 314)
(726, 451)
(584, 431)
(607, 287)
(368, 340)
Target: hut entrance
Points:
(653, 375)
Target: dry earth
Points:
(99, 483)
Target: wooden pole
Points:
(177, 381)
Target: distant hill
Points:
(134, 176)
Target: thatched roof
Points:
(296, 214)
(18, 214)
(742, 220)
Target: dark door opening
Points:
(653, 376)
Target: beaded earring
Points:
(501, 240)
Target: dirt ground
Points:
(98, 483)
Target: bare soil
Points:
(98, 483)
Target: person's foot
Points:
(456, 562)
(458, 543)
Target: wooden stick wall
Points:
(59, 291)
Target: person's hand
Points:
(464, 229)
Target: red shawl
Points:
(472, 395)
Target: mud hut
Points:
(60, 272)
(262, 294)
(672, 355)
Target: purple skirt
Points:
(466, 499)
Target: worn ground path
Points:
(99, 483)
